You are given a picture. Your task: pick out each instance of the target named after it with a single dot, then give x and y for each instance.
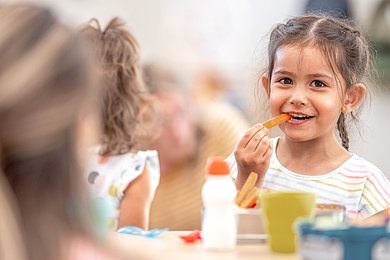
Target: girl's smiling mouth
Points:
(298, 117)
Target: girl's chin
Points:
(297, 137)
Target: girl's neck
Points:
(314, 157)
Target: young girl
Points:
(119, 171)
(317, 73)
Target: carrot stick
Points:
(277, 120)
(251, 198)
(246, 188)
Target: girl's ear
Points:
(265, 82)
(353, 97)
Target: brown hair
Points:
(127, 111)
(348, 51)
(44, 82)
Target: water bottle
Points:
(219, 228)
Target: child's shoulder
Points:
(95, 151)
(137, 157)
(360, 165)
(122, 168)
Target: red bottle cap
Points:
(217, 166)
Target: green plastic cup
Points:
(280, 211)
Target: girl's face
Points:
(304, 85)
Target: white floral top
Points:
(108, 178)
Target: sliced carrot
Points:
(246, 188)
(277, 120)
(251, 198)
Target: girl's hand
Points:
(253, 154)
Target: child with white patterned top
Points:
(122, 174)
(318, 70)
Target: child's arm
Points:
(378, 219)
(253, 154)
(137, 199)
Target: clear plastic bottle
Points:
(219, 228)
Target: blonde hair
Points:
(127, 109)
(44, 82)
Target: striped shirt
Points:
(357, 184)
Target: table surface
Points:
(170, 246)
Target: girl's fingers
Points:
(268, 150)
(256, 140)
(246, 139)
(263, 146)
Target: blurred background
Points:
(221, 43)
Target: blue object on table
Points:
(132, 230)
(354, 243)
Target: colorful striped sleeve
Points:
(376, 194)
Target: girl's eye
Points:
(317, 84)
(286, 81)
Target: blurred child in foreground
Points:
(45, 91)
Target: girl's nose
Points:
(298, 97)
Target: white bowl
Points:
(250, 227)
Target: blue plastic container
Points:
(354, 243)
